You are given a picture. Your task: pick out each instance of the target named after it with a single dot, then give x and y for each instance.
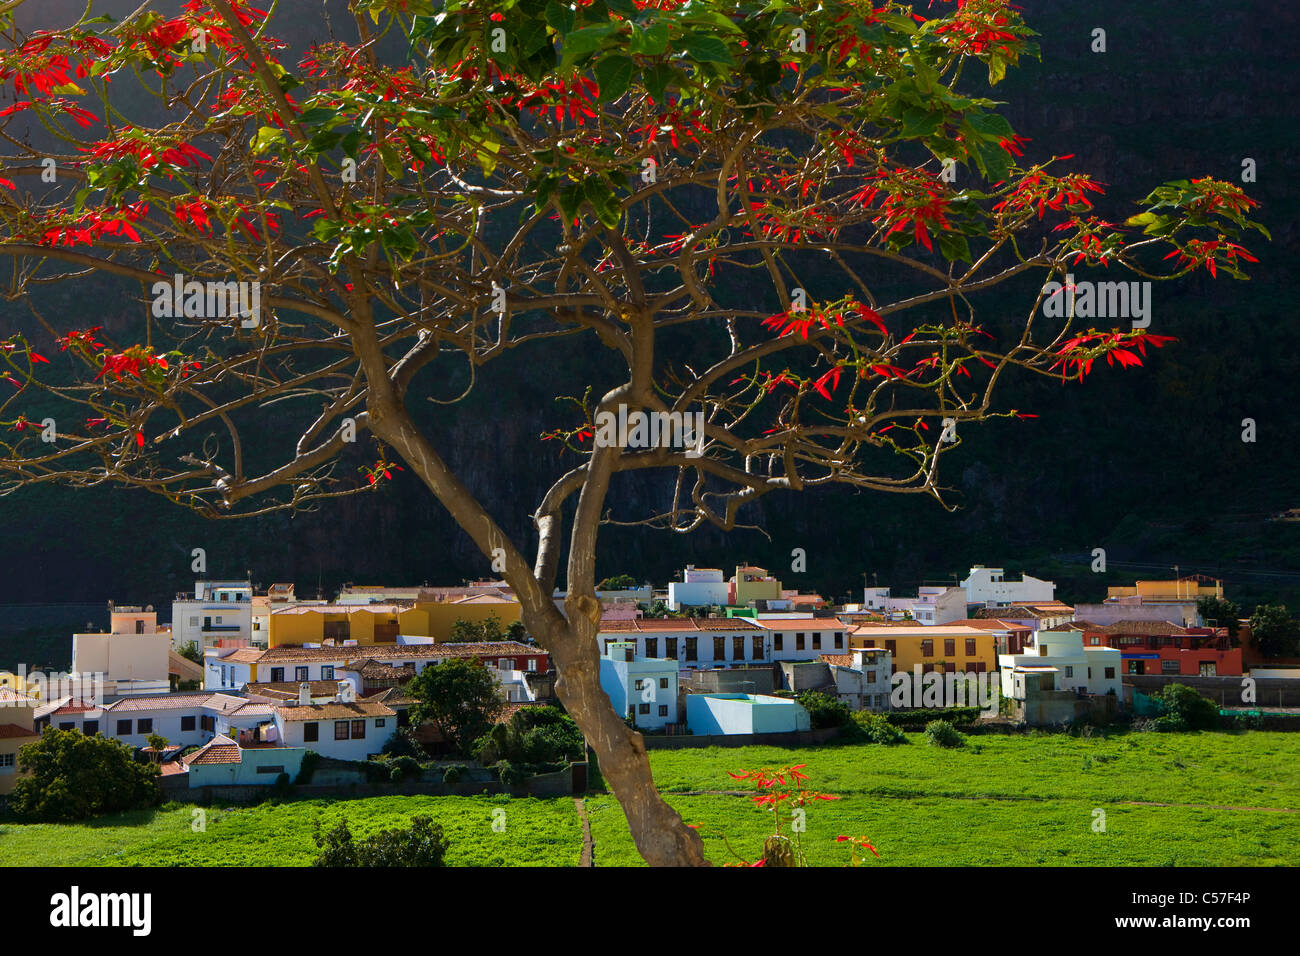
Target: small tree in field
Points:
(773, 226)
(74, 777)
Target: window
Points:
(890, 646)
(719, 648)
(1069, 671)
(778, 642)
(663, 710)
(90, 728)
(208, 722)
(927, 648)
(692, 653)
(187, 723)
(67, 725)
(6, 760)
(817, 641)
(652, 647)
(756, 647)
(1208, 669)
(124, 728)
(970, 647)
(949, 647)
(532, 665)
(663, 683)
(326, 672)
(340, 730)
(194, 622)
(1110, 673)
(638, 685)
(608, 641)
(277, 675)
(643, 708)
(670, 649)
(271, 768)
(871, 677)
(1169, 667)
(870, 643)
(379, 721)
(798, 640)
(358, 730)
(950, 667)
(839, 640)
(300, 674)
(311, 732)
(737, 648)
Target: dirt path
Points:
(588, 847)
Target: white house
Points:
(345, 729)
(988, 586)
(645, 688)
(862, 677)
(932, 605)
(699, 587)
(218, 611)
(223, 762)
(1071, 666)
(744, 714)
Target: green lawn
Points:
(534, 833)
(1013, 801)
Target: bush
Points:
(941, 733)
(422, 844)
(532, 735)
(511, 775)
(876, 729)
(454, 773)
(917, 719)
(404, 767)
(404, 744)
(824, 710)
(74, 777)
(309, 762)
(1187, 709)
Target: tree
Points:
(488, 629)
(158, 742)
(517, 632)
(1222, 613)
(421, 844)
(74, 777)
(619, 582)
(460, 696)
(192, 652)
(1185, 709)
(532, 735)
(770, 230)
(1274, 632)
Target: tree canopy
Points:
(788, 240)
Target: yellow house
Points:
(1177, 589)
(363, 623)
(941, 647)
(753, 584)
(20, 684)
(17, 718)
(476, 609)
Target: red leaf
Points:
(139, 439)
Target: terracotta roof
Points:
(218, 750)
(804, 623)
(10, 696)
(67, 705)
(1140, 627)
(655, 625)
(337, 711)
(319, 688)
(244, 655)
(173, 767)
(11, 731)
(1073, 626)
(293, 653)
(377, 670)
(391, 607)
(162, 702)
(992, 624)
(392, 696)
(254, 708)
(842, 660)
(484, 599)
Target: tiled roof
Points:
(1073, 626)
(484, 599)
(161, 702)
(391, 607)
(10, 696)
(657, 625)
(803, 623)
(319, 688)
(244, 655)
(377, 670)
(337, 711)
(993, 624)
(218, 750)
(1140, 627)
(67, 706)
(12, 731)
(392, 696)
(842, 660)
(293, 653)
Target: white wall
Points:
(291, 734)
(989, 586)
(696, 594)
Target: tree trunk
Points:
(661, 836)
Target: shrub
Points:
(511, 775)
(74, 777)
(878, 730)
(403, 767)
(917, 719)
(454, 773)
(309, 762)
(824, 710)
(1188, 709)
(941, 733)
(422, 844)
(404, 744)
(533, 735)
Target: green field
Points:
(531, 833)
(1003, 800)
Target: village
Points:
(244, 684)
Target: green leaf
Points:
(570, 199)
(707, 49)
(587, 40)
(656, 80)
(954, 247)
(614, 74)
(560, 17)
(997, 70)
(624, 8)
(651, 40)
(265, 137)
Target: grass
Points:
(1003, 801)
(535, 833)
(999, 801)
